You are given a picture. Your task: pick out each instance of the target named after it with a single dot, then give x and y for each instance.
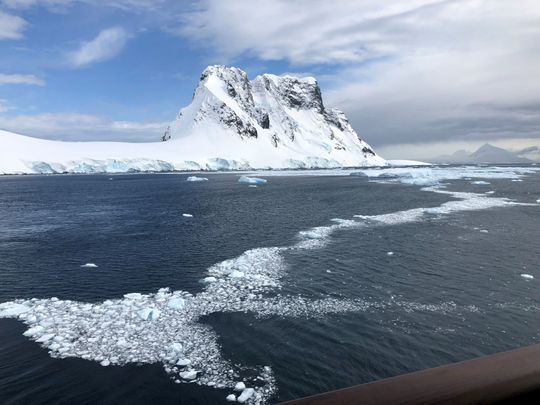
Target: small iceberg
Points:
(195, 178)
(187, 215)
(149, 314)
(176, 303)
(480, 183)
(527, 276)
(251, 180)
(183, 362)
(231, 398)
(89, 265)
(245, 395)
(188, 375)
(240, 386)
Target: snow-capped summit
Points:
(232, 123)
(283, 116)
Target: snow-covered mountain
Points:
(232, 123)
(485, 154)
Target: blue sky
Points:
(423, 76)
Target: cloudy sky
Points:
(417, 78)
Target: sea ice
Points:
(188, 375)
(390, 253)
(9, 309)
(89, 265)
(240, 386)
(187, 215)
(251, 180)
(245, 395)
(195, 178)
(177, 347)
(480, 182)
(231, 398)
(149, 314)
(527, 276)
(183, 362)
(177, 303)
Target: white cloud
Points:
(301, 31)
(11, 27)
(81, 127)
(106, 45)
(21, 79)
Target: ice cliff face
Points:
(232, 123)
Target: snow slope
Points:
(232, 123)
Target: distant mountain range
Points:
(491, 154)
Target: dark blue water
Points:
(455, 292)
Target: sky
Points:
(417, 78)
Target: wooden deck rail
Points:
(509, 376)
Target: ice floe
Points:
(251, 180)
(527, 276)
(89, 265)
(187, 215)
(196, 178)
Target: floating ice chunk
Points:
(177, 347)
(12, 309)
(240, 386)
(45, 338)
(210, 279)
(133, 296)
(517, 180)
(527, 276)
(188, 375)
(245, 395)
(89, 265)
(187, 215)
(149, 314)
(183, 362)
(390, 253)
(484, 231)
(195, 178)
(538, 201)
(177, 303)
(359, 174)
(36, 330)
(236, 274)
(231, 398)
(480, 183)
(490, 192)
(253, 186)
(105, 363)
(251, 180)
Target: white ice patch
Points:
(187, 215)
(90, 265)
(195, 178)
(480, 183)
(165, 327)
(527, 276)
(251, 180)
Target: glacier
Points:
(232, 123)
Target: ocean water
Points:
(363, 278)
